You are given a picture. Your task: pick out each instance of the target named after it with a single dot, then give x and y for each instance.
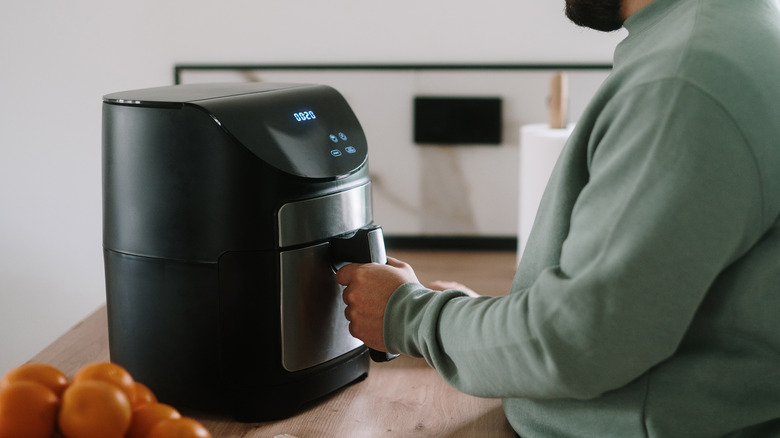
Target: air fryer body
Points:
(219, 205)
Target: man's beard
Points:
(601, 15)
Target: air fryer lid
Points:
(305, 130)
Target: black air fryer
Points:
(226, 210)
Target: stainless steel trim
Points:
(314, 329)
(376, 246)
(327, 216)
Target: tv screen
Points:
(457, 120)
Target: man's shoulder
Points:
(732, 45)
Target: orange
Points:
(94, 409)
(44, 374)
(147, 416)
(143, 395)
(108, 372)
(27, 410)
(179, 428)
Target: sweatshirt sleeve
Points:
(673, 198)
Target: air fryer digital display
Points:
(304, 116)
(309, 132)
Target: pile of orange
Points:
(101, 401)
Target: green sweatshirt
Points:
(647, 302)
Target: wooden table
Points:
(404, 397)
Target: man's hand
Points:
(368, 289)
(444, 285)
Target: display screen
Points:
(304, 116)
(308, 131)
(457, 120)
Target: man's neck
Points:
(630, 7)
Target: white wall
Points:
(58, 58)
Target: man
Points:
(647, 302)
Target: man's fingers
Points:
(344, 275)
(348, 313)
(394, 262)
